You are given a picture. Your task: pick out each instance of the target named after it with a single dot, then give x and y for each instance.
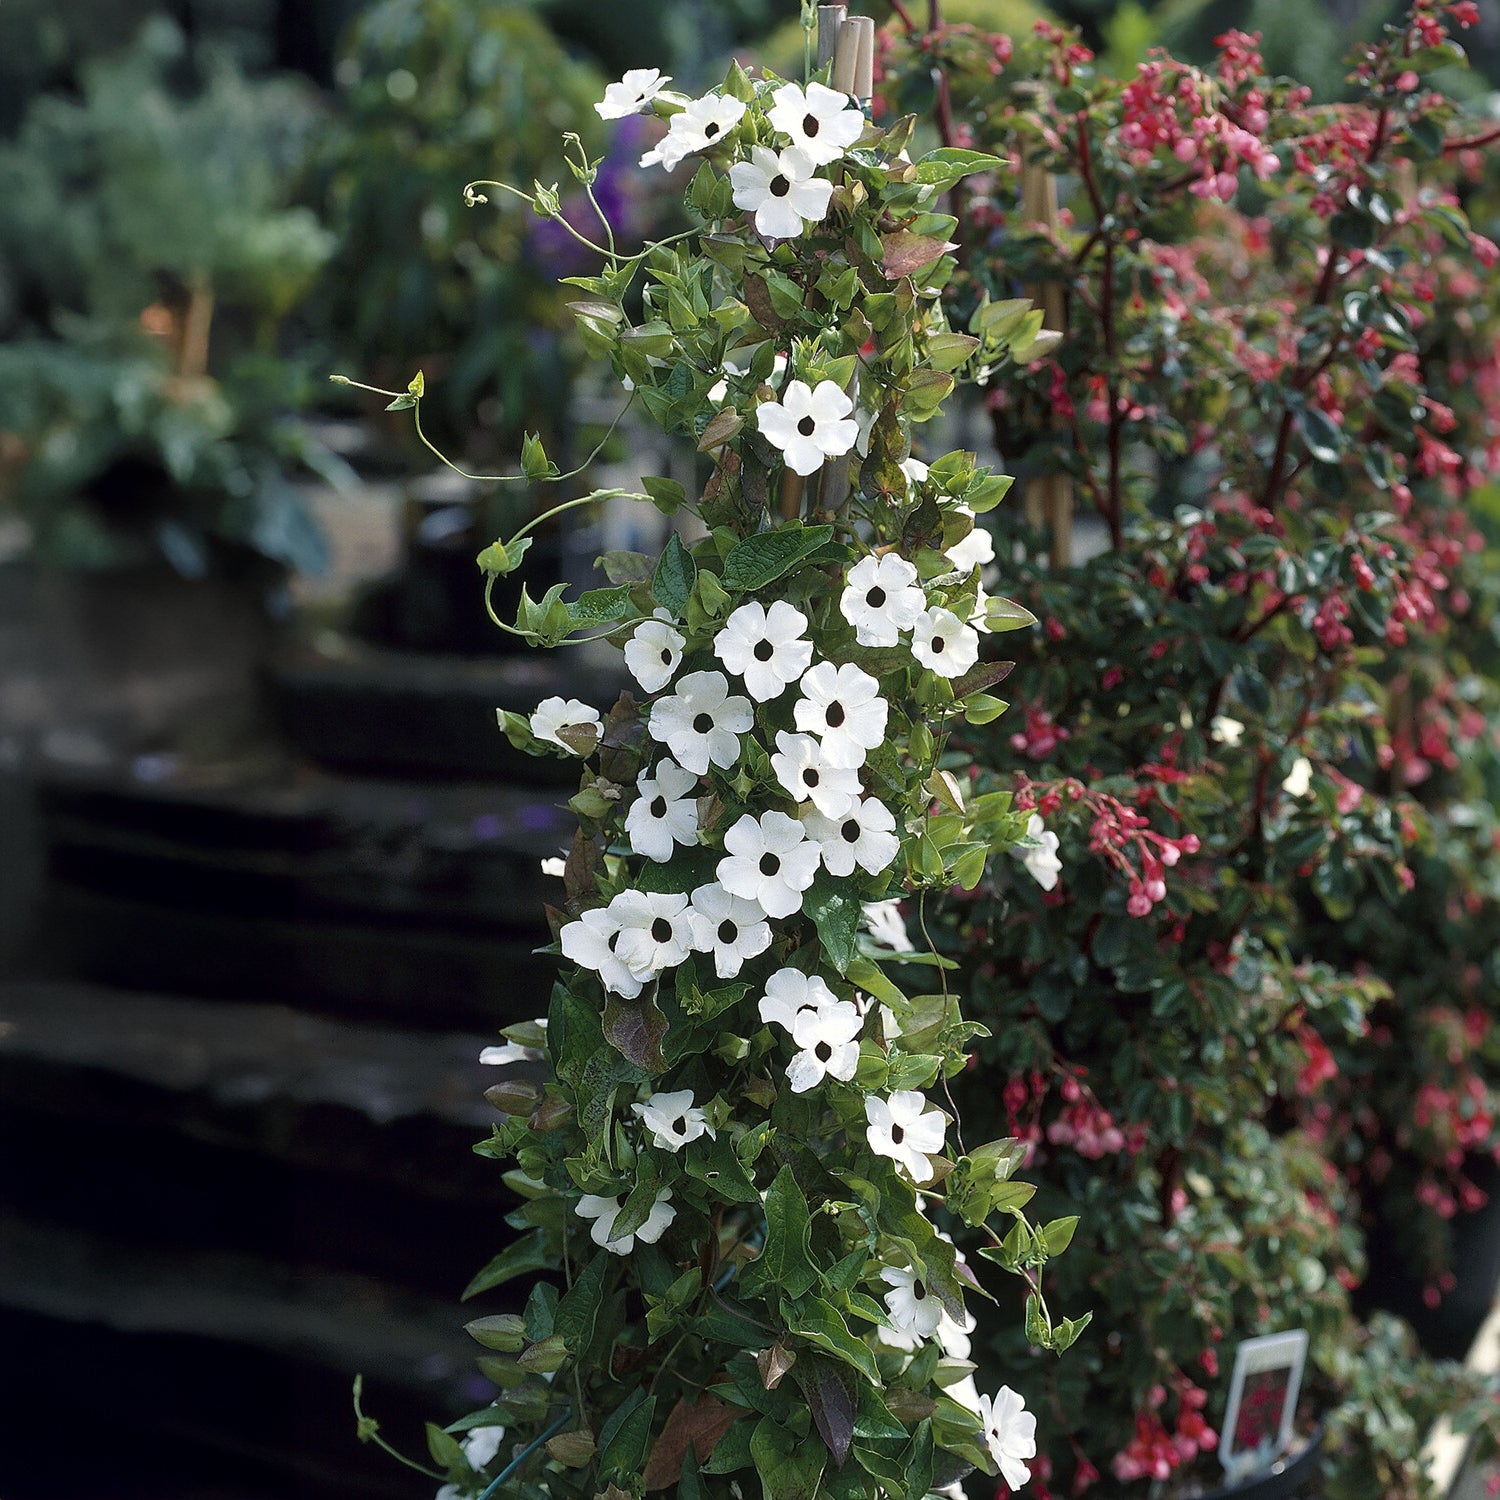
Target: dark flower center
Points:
(770, 864)
(666, 657)
(851, 831)
(779, 187)
(809, 125)
(918, 1290)
(809, 777)
(658, 808)
(833, 715)
(807, 427)
(937, 645)
(679, 1125)
(711, 129)
(823, 1052)
(729, 933)
(703, 723)
(763, 651)
(898, 1134)
(876, 597)
(661, 930)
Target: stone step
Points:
(383, 712)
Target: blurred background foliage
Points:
(208, 205)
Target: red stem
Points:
(1473, 142)
(903, 15)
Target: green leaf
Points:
(498, 559)
(625, 1438)
(578, 1311)
(529, 1254)
(835, 908)
(445, 1450)
(1058, 1235)
(1005, 614)
(667, 495)
(534, 461)
(759, 560)
(942, 168)
(822, 1324)
(786, 1260)
(1323, 436)
(788, 1469)
(504, 1331)
(675, 575)
(600, 607)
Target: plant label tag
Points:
(1262, 1403)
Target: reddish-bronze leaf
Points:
(635, 1029)
(985, 675)
(700, 1425)
(832, 1397)
(906, 253)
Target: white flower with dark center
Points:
(913, 1307)
(483, 1443)
(974, 550)
(781, 189)
(942, 641)
(904, 1129)
(700, 722)
(769, 861)
(828, 1041)
(653, 652)
(822, 124)
(1043, 863)
(843, 707)
(790, 992)
(808, 425)
(765, 647)
(552, 715)
(703, 123)
(665, 813)
(864, 836)
(803, 769)
(673, 1120)
(590, 942)
(881, 598)
(733, 929)
(632, 93)
(604, 1212)
(885, 924)
(1009, 1433)
(656, 931)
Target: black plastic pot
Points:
(1295, 1478)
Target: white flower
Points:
(632, 93)
(913, 1308)
(1043, 863)
(653, 652)
(823, 124)
(904, 1129)
(765, 647)
(884, 922)
(604, 1212)
(700, 723)
(554, 714)
(803, 769)
(769, 861)
(449, 1492)
(703, 123)
(942, 641)
(789, 992)
(1228, 732)
(975, 550)
(829, 1049)
(555, 865)
(590, 941)
(915, 470)
(510, 1052)
(733, 929)
(673, 1120)
(482, 1444)
(864, 836)
(781, 190)
(809, 425)
(656, 931)
(1299, 778)
(843, 707)
(881, 598)
(663, 815)
(979, 616)
(1009, 1434)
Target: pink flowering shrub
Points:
(1247, 721)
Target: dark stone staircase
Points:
(239, 1083)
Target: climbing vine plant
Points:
(735, 1180)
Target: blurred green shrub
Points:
(148, 258)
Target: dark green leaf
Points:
(835, 908)
(529, 1254)
(759, 560)
(675, 575)
(786, 1260)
